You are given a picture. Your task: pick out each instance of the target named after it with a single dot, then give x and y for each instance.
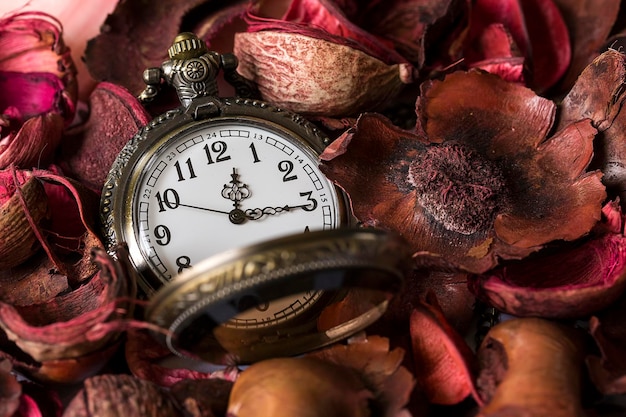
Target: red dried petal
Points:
(445, 366)
(10, 390)
(589, 25)
(537, 29)
(115, 116)
(570, 283)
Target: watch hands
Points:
(257, 213)
(204, 208)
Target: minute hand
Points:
(203, 208)
(257, 213)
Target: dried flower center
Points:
(457, 186)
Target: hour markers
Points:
(229, 133)
(189, 143)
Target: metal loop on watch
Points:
(351, 273)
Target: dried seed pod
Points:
(531, 367)
(24, 203)
(120, 395)
(306, 387)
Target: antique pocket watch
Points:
(239, 240)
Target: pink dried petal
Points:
(339, 81)
(445, 366)
(115, 116)
(34, 143)
(31, 42)
(31, 93)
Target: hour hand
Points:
(257, 213)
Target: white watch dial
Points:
(225, 185)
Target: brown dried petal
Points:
(88, 151)
(120, 395)
(379, 366)
(531, 367)
(74, 324)
(337, 81)
(204, 397)
(27, 203)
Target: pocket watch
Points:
(227, 218)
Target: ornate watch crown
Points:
(187, 45)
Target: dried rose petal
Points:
(537, 32)
(31, 42)
(73, 326)
(129, 31)
(479, 180)
(22, 206)
(531, 367)
(117, 395)
(149, 360)
(445, 366)
(589, 25)
(608, 371)
(115, 116)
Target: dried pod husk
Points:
(444, 365)
(566, 281)
(115, 116)
(531, 367)
(307, 387)
(598, 94)
(348, 70)
(23, 205)
(120, 395)
(73, 335)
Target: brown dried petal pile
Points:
(478, 180)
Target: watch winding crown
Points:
(187, 45)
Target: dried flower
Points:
(37, 79)
(478, 179)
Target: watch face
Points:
(221, 185)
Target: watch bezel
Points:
(116, 209)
